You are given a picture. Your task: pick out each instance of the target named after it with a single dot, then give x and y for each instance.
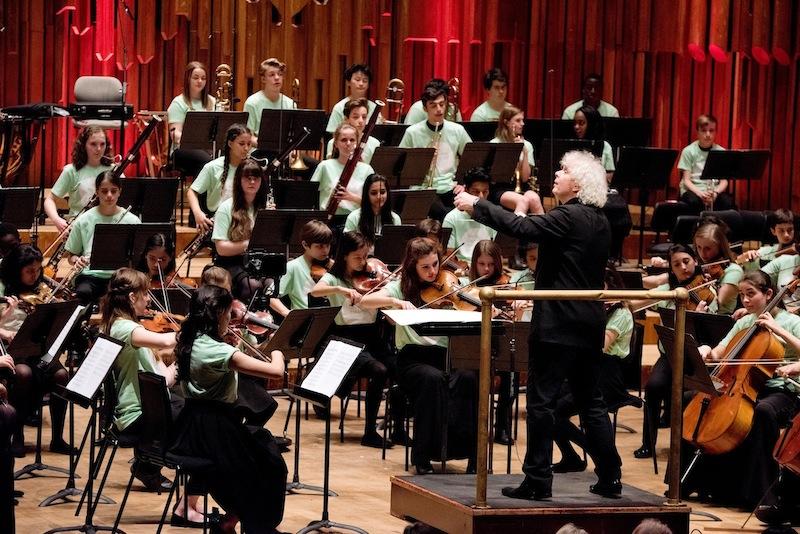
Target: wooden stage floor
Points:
(358, 475)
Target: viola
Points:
(373, 274)
(257, 323)
(320, 267)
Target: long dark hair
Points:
(79, 155)
(594, 123)
(349, 242)
(206, 307)
(158, 241)
(233, 131)
(675, 249)
(241, 227)
(12, 265)
(366, 224)
(491, 249)
(416, 248)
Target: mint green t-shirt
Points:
(766, 253)
(348, 315)
(81, 236)
(223, 219)
(607, 158)
(210, 374)
(780, 272)
(453, 138)
(621, 322)
(328, 173)
(78, 185)
(297, 283)
(604, 109)
(257, 102)
(405, 335)
(351, 224)
(693, 159)
(209, 181)
(416, 113)
(732, 275)
(337, 115)
(126, 369)
(485, 113)
(467, 231)
(178, 108)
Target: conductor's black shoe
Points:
(502, 437)
(399, 437)
(643, 452)
(62, 447)
(374, 439)
(611, 488)
(18, 493)
(424, 468)
(570, 465)
(528, 490)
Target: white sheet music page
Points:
(94, 368)
(411, 317)
(51, 352)
(331, 367)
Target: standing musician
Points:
(744, 475)
(592, 93)
(449, 140)
(194, 96)
(358, 324)
(92, 284)
(420, 367)
(567, 336)
(357, 78)
(509, 130)
(127, 299)
(496, 84)
(356, 114)
(376, 211)
(417, 113)
(329, 171)
(20, 276)
(216, 177)
(249, 475)
(316, 238)
(91, 156)
(272, 72)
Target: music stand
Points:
(121, 245)
(205, 130)
(735, 165)
(413, 205)
(334, 361)
(279, 230)
(151, 199)
(647, 169)
(627, 131)
(391, 245)
(498, 159)
(295, 194)
(389, 134)
(404, 167)
(179, 299)
(281, 127)
(480, 131)
(18, 206)
(83, 390)
(548, 158)
(298, 337)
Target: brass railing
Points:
(489, 295)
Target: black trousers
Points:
(549, 365)
(657, 392)
(724, 201)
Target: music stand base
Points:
(708, 515)
(779, 529)
(88, 529)
(325, 523)
(30, 469)
(297, 487)
(66, 493)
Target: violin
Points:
(446, 293)
(162, 322)
(319, 268)
(257, 323)
(715, 269)
(373, 274)
(699, 291)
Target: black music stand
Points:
(404, 167)
(279, 230)
(644, 168)
(389, 134)
(735, 165)
(548, 158)
(413, 205)
(481, 132)
(42, 335)
(83, 389)
(121, 245)
(298, 337)
(205, 130)
(294, 194)
(391, 245)
(537, 130)
(499, 159)
(334, 361)
(281, 127)
(18, 206)
(152, 199)
(179, 299)
(627, 131)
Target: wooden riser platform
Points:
(444, 502)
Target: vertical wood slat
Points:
(146, 39)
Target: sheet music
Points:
(331, 367)
(55, 348)
(427, 315)
(94, 368)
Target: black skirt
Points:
(249, 475)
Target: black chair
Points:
(663, 221)
(755, 227)
(155, 441)
(684, 228)
(731, 218)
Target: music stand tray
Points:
(413, 205)
(391, 245)
(498, 159)
(480, 131)
(405, 167)
(18, 206)
(296, 194)
(389, 134)
(205, 130)
(41, 329)
(280, 127)
(695, 372)
(152, 199)
(735, 164)
(301, 332)
(121, 245)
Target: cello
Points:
(719, 424)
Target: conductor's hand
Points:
(204, 223)
(464, 202)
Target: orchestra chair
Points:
(155, 442)
(755, 226)
(731, 218)
(665, 214)
(98, 90)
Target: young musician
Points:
(9, 239)
(158, 262)
(193, 97)
(421, 363)
(616, 347)
(567, 336)
(526, 278)
(91, 156)
(91, 284)
(248, 477)
(316, 238)
(127, 299)
(357, 78)
(329, 172)
(21, 274)
(509, 130)
(233, 227)
(356, 114)
(272, 72)
(588, 124)
(783, 270)
(376, 211)
(781, 225)
(449, 140)
(496, 84)
(467, 232)
(417, 113)
(744, 475)
(702, 194)
(592, 92)
(358, 324)
(216, 177)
